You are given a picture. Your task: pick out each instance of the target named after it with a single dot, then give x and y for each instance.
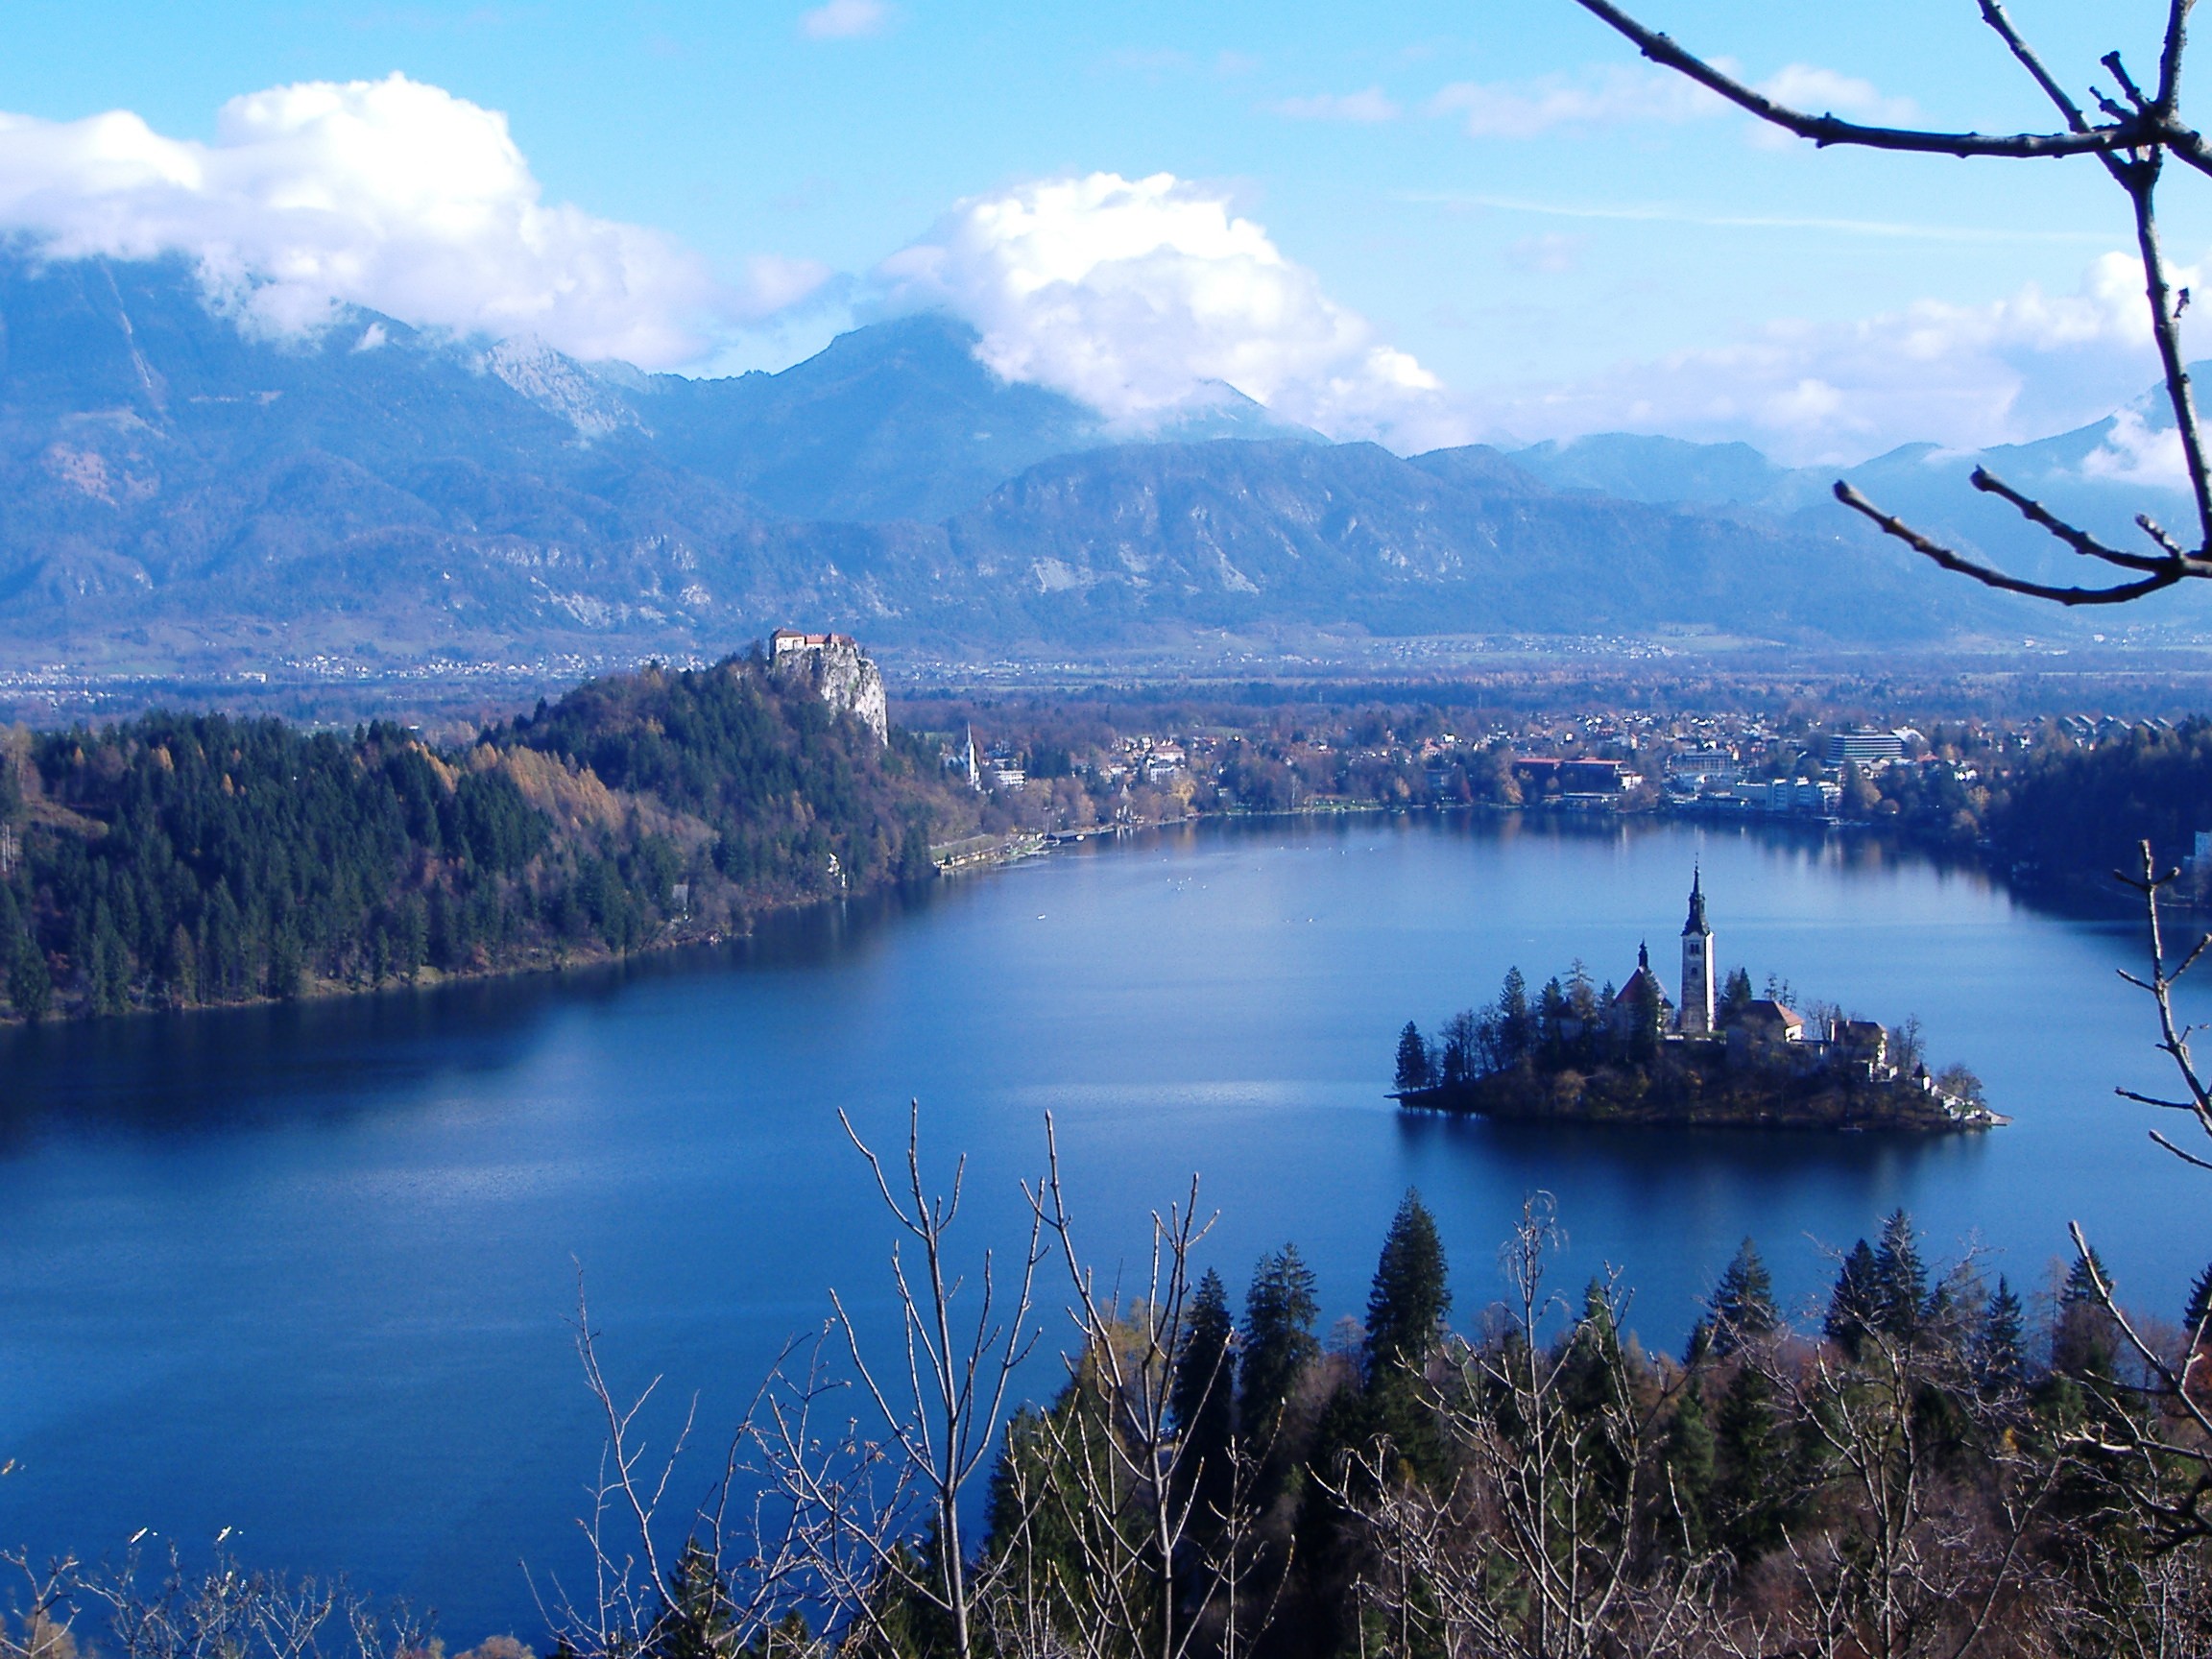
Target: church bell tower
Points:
(1696, 965)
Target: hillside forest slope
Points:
(175, 861)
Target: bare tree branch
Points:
(1826, 129)
(2139, 131)
(1991, 577)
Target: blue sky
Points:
(1634, 262)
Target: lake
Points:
(308, 1272)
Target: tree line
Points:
(2068, 809)
(1927, 1463)
(1565, 1024)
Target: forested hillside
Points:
(175, 860)
(2071, 809)
(2082, 809)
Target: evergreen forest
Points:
(175, 860)
(1924, 1462)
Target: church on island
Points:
(1718, 1056)
(1753, 1027)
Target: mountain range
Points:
(177, 490)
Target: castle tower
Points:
(1696, 965)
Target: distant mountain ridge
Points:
(2089, 475)
(174, 489)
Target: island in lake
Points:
(1575, 1052)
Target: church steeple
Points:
(1696, 923)
(1697, 998)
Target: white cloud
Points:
(774, 282)
(1140, 296)
(2135, 451)
(1822, 92)
(1369, 106)
(1603, 95)
(388, 194)
(1966, 377)
(845, 19)
(1818, 91)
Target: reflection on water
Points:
(303, 1271)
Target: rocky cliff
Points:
(834, 664)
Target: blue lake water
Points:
(306, 1272)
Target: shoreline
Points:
(980, 853)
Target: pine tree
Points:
(694, 1620)
(2199, 1308)
(1405, 1310)
(1999, 1356)
(1690, 1460)
(2084, 1339)
(1650, 1021)
(1551, 1013)
(1515, 1025)
(1698, 1349)
(1753, 1486)
(30, 986)
(1854, 1304)
(1204, 1402)
(1900, 1281)
(2082, 1278)
(1279, 1310)
(1405, 1307)
(1413, 1059)
(1743, 1306)
(1734, 995)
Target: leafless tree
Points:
(41, 1610)
(2131, 132)
(840, 1494)
(942, 1405)
(1120, 1470)
(229, 1612)
(1919, 1560)
(756, 1568)
(2132, 1604)
(2155, 1435)
(1531, 1546)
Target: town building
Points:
(1862, 744)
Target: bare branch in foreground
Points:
(1991, 577)
(1827, 130)
(2140, 130)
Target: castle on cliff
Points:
(833, 665)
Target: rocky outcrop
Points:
(833, 665)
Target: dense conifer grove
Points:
(173, 860)
(1925, 1463)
